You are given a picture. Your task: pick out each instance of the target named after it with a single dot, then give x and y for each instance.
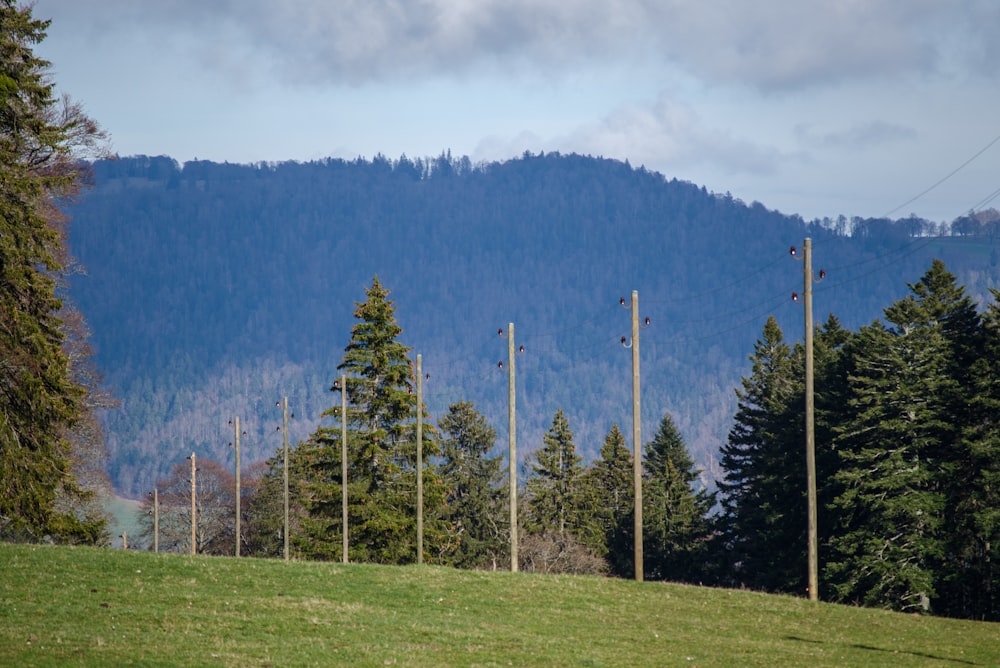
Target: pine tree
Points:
(382, 450)
(676, 527)
(762, 534)
(552, 487)
(474, 508)
(40, 403)
(605, 502)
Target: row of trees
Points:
(908, 462)
(908, 459)
(573, 519)
(51, 446)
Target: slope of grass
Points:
(83, 606)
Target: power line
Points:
(944, 178)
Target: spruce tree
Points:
(605, 502)
(381, 426)
(898, 449)
(474, 508)
(676, 527)
(552, 487)
(40, 402)
(762, 526)
(970, 585)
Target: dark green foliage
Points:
(555, 475)
(899, 446)
(676, 527)
(970, 586)
(381, 423)
(39, 400)
(763, 519)
(605, 502)
(474, 510)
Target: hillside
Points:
(215, 289)
(87, 606)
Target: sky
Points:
(811, 107)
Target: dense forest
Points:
(215, 289)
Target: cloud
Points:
(857, 136)
(666, 135)
(767, 44)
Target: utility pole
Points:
(636, 439)
(810, 428)
(420, 464)
(284, 432)
(194, 507)
(813, 551)
(343, 462)
(512, 445)
(237, 443)
(636, 433)
(156, 520)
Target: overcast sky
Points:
(816, 107)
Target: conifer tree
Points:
(605, 502)
(40, 401)
(762, 535)
(676, 528)
(382, 450)
(970, 584)
(474, 509)
(898, 448)
(552, 488)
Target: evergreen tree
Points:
(474, 508)
(552, 487)
(762, 525)
(605, 502)
(970, 586)
(898, 449)
(382, 450)
(676, 528)
(40, 402)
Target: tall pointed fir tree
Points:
(381, 426)
(474, 511)
(970, 585)
(40, 137)
(676, 525)
(605, 502)
(762, 538)
(552, 487)
(898, 449)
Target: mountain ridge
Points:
(215, 289)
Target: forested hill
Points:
(215, 289)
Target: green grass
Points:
(84, 606)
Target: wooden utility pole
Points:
(512, 450)
(156, 520)
(343, 462)
(194, 507)
(420, 464)
(236, 422)
(636, 439)
(284, 431)
(810, 427)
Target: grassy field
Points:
(84, 606)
